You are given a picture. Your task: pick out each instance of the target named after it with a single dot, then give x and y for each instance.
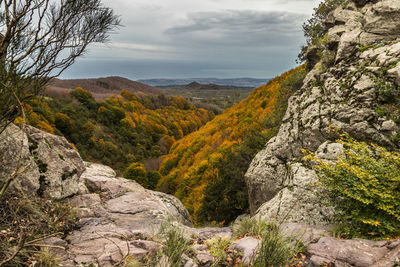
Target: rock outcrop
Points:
(365, 38)
(47, 165)
(120, 218)
(116, 215)
(117, 218)
(324, 250)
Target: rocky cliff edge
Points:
(363, 42)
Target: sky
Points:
(198, 39)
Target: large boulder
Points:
(47, 165)
(15, 157)
(60, 165)
(118, 217)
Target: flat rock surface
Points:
(116, 216)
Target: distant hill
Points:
(200, 86)
(240, 82)
(104, 87)
(223, 96)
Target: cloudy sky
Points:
(206, 38)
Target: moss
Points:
(60, 156)
(380, 112)
(364, 48)
(48, 143)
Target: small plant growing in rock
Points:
(387, 92)
(175, 243)
(131, 262)
(45, 258)
(219, 247)
(251, 227)
(275, 250)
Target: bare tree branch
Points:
(39, 39)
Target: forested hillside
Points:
(206, 168)
(101, 88)
(121, 130)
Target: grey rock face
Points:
(205, 258)
(15, 156)
(210, 232)
(346, 95)
(60, 165)
(49, 166)
(248, 246)
(346, 252)
(116, 216)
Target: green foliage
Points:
(251, 227)
(365, 48)
(175, 243)
(364, 186)
(226, 197)
(219, 247)
(380, 112)
(152, 179)
(84, 97)
(387, 92)
(64, 124)
(314, 29)
(275, 250)
(136, 171)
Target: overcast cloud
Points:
(208, 38)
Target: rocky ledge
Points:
(118, 217)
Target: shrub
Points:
(175, 243)
(275, 250)
(364, 186)
(152, 179)
(251, 227)
(219, 247)
(137, 172)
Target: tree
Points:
(315, 29)
(39, 39)
(136, 171)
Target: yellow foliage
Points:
(211, 142)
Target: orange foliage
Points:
(189, 166)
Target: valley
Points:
(299, 170)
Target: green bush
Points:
(137, 172)
(364, 186)
(153, 177)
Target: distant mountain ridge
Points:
(239, 82)
(211, 86)
(105, 86)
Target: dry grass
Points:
(25, 222)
